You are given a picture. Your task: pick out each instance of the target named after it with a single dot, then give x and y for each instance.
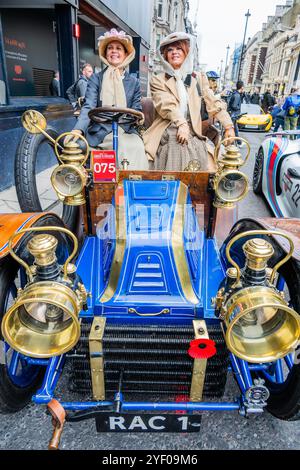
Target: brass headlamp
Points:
(260, 325)
(43, 321)
(70, 178)
(230, 184)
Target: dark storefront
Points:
(38, 38)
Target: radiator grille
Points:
(154, 362)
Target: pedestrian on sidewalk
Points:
(268, 101)
(235, 104)
(78, 89)
(255, 97)
(292, 110)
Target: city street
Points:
(31, 428)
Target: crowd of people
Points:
(182, 99)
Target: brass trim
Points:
(259, 232)
(42, 229)
(178, 246)
(43, 247)
(199, 368)
(121, 239)
(231, 139)
(163, 311)
(96, 358)
(78, 137)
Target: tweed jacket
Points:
(96, 132)
(166, 103)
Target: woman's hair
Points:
(184, 45)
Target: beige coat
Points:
(166, 103)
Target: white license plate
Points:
(251, 126)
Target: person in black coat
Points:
(235, 103)
(268, 101)
(114, 86)
(255, 97)
(55, 85)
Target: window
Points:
(160, 8)
(287, 66)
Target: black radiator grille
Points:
(153, 360)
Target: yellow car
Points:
(255, 119)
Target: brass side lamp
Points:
(260, 325)
(43, 321)
(230, 184)
(70, 178)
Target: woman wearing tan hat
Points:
(114, 86)
(180, 97)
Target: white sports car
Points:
(277, 173)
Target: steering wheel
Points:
(109, 114)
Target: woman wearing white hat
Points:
(114, 86)
(180, 97)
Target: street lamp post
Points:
(248, 14)
(228, 47)
(221, 71)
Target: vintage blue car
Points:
(150, 300)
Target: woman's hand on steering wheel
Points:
(72, 137)
(183, 134)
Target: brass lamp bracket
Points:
(258, 232)
(43, 229)
(232, 139)
(82, 157)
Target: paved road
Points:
(31, 429)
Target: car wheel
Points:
(19, 379)
(258, 172)
(283, 377)
(28, 188)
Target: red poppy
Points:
(202, 349)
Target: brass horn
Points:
(43, 321)
(260, 325)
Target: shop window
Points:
(41, 80)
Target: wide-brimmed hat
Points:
(114, 35)
(174, 37)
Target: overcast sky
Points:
(222, 23)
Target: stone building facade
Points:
(272, 56)
(168, 16)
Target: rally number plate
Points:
(107, 422)
(104, 165)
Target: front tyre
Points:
(27, 182)
(258, 172)
(18, 379)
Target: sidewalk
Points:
(9, 201)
